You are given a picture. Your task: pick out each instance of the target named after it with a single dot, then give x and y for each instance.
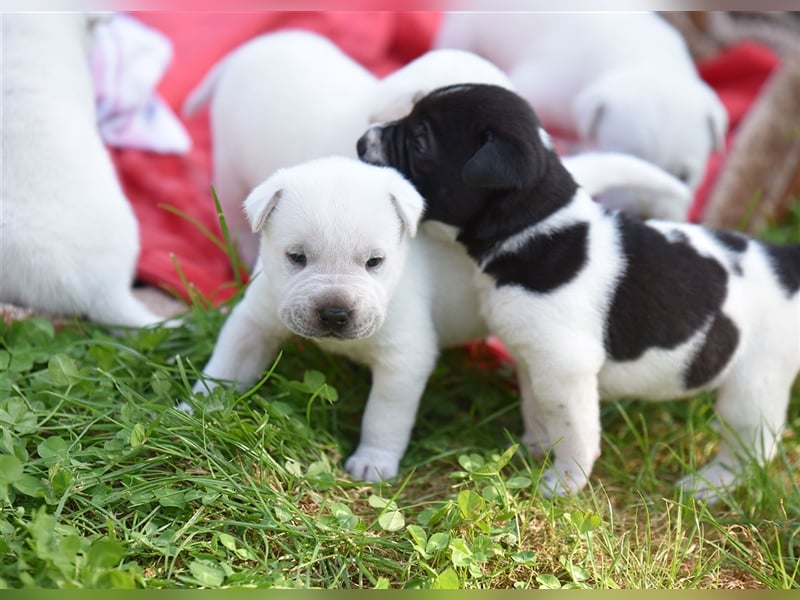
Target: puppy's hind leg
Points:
(752, 408)
(535, 436)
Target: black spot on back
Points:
(785, 261)
(735, 242)
(545, 262)
(666, 294)
(721, 340)
(735, 245)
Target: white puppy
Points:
(336, 266)
(287, 97)
(622, 82)
(68, 237)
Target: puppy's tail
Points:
(598, 172)
(201, 94)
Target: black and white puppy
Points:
(592, 303)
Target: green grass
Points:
(104, 484)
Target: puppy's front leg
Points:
(569, 406)
(248, 340)
(389, 416)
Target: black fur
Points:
(493, 156)
(720, 343)
(735, 242)
(557, 259)
(667, 293)
(786, 265)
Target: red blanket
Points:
(171, 194)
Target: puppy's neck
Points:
(508, 212)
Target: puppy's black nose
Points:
(334, 317)
(361, 146)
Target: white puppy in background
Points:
(290, 96)
(620, 82)
(68, 237)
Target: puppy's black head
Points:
(462, 146)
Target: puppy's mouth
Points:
(336, 327)
(370, 146)
(335, 334)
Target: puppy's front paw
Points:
(710, 482)
(185, 407)
(372, 464)
(557, 482)
(203, 386)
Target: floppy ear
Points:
(261, 202)
(498, 164)
(408, 204)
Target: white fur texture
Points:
(68, 237)
(621, 82)
(625, 182)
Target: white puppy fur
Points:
(267, 118)
(68, 237)
(624, 182)
(341, 215)
(621, 82)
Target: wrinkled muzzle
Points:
(347, 308)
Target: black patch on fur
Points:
(666, 294)
(718, 347)
(735, 242)
(545, 262)
(506, 213)
(474, 153)
(785, 261)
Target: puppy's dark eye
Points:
(297, 258)
(418, 140)
(374, 262)
(683, 175)
(420, 144)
